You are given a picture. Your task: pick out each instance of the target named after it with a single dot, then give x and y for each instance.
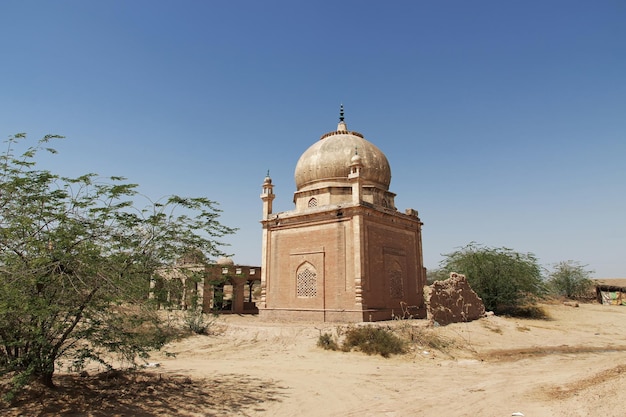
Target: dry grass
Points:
(510, 355)
(425, 337)
(491, 327)
(574, 388)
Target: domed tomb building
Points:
(345, 253)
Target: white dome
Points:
(331, 156)
(224, 260)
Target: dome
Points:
(356, 159)
(331, 156)
(224, 260)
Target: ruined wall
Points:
(453, 301)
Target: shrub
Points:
(570, 279)
(327, 342)
(373, 340)
(433, 275)
(503, 278)
(526, 311)
(385, 341)
(195, 321)
(77, 258)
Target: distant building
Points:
(231, 288)
(344, 253)
(220, 287)
(611, 291)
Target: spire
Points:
(342, 127)
(267, 196)
(356, 160)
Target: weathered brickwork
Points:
(344, 253)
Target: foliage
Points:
(367, 339)
(570, 279)
(528, 310)
(373, 340)
(433, 275)
(76, 259)
(327, 342)
(196, 322)
(503, 278)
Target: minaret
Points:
(356, 165)
(267, 196)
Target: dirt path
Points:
(573, 365)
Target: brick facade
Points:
(345, 253)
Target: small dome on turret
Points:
(225, 260)
(356, 159)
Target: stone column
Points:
(238, 296)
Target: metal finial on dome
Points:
(268, 173)
(341, 126)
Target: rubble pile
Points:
(453, 301)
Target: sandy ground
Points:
(571, 365)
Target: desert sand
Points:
(573, 364)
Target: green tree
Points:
(503, 278)
(570, 279)
(433, 275)
(76, 259)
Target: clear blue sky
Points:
(504, 121)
